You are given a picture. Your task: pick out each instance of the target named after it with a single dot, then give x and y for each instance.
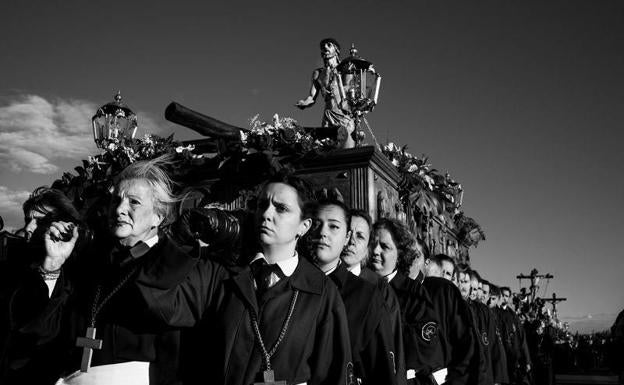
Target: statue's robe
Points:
(185, 291)
(370, 329)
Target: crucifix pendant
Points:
(88, 343)
(269, 379)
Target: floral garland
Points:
(266, 148)
(417, 173)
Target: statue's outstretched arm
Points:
(307, 102)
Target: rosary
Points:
(268, 375)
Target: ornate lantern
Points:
(360, 82)
(113, 121)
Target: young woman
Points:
(355, 258)
(277, 319)
(369, 324)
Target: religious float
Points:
(226, 167)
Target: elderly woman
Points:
(437, 335)
(108, 335)
(275, 320)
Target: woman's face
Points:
(278, 216)
(474, 289)
(464, 285)
(132, 215)
(357, 248)
(331, 235)
(384, 253)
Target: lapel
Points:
(308, 278)
(243, 283)
(339, 277)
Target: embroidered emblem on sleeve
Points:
(429, 331)
(484, 338)
(350, 380)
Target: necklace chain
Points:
(97, 307)
(254, 321)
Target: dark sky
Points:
(520, 101)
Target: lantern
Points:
(360, 82)
(113, 122)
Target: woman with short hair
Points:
(437, 338)
(277, 318)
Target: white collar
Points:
(152, 241)
(356, 270)
(390, 276)
(287, 265)
(328, 272)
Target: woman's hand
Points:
(60, 239)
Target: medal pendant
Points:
(269, 379)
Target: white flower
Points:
(243, 136)
(412, 168)
(181, 149)
(429, 181)
(395, 162)
(276, 121)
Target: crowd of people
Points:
(318, 294)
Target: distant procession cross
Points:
(88, 343)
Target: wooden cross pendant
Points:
(88, 343)
(269, 379)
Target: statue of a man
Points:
(327, 81)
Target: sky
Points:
(520, 101)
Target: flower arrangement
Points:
(281, 136)
(418, 173)
(263, 150)
(95, 176)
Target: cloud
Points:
(11, 207)
(34, 132)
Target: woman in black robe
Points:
(437, 334)
(275, 320)
(101, 327)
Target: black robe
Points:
(394, 312)
(369, 328)
(486, 339)
(129, 332)
(436, 328)
(514, 342)
(199, 292)
(499, 358)
(26, 357)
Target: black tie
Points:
(261, 271)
